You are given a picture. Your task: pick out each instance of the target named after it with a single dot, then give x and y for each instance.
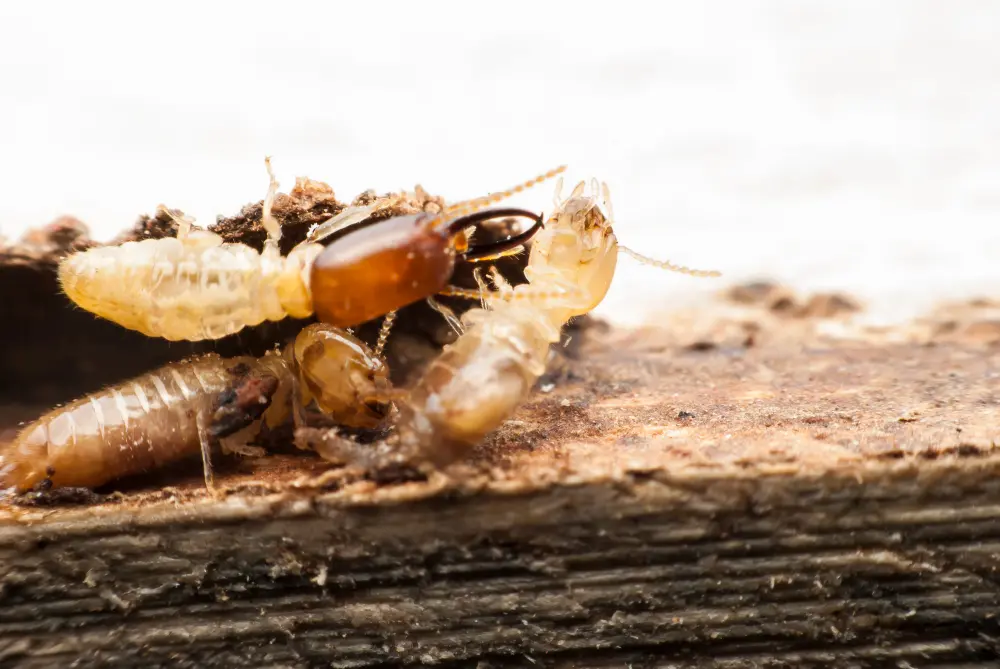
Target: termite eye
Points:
(379, 268)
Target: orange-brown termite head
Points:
(389, 264)
(375, 269)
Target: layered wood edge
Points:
(664, 504)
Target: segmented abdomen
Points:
(476, 383)
(132, 427)
(192, 290)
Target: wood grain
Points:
(682, 496)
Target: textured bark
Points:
(669, 498)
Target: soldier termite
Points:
(488, 372)
(195, 286)
(179, 410)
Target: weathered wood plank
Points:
(751, 487)
(795, 501)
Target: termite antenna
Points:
(666, 264)
(267, 219)
(383, 334)
(459, 209)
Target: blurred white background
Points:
(848, 145)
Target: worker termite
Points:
(182, 408)
(488, 372)
(195, 286)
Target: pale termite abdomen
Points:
(475, 384)
(180, 409)
(133, 427)
(192, 289)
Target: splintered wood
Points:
(754, 488)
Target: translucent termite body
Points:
(488, 372)
(137, 426)
(197, 287)
(180, 409)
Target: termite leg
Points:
(467, 293)
(345, 219)
(335, 448)
(299, 419)
(267, 219)
(448, 314)
(332, 447)
(484, 290)
(609, 210)
(502, 287)
(206, 451)
(237, 443)
(557, 196)
(499, 282)
(184, 222)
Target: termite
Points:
(183, 408)
(481, 379)
(195, 286)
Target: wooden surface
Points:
(747, 486)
